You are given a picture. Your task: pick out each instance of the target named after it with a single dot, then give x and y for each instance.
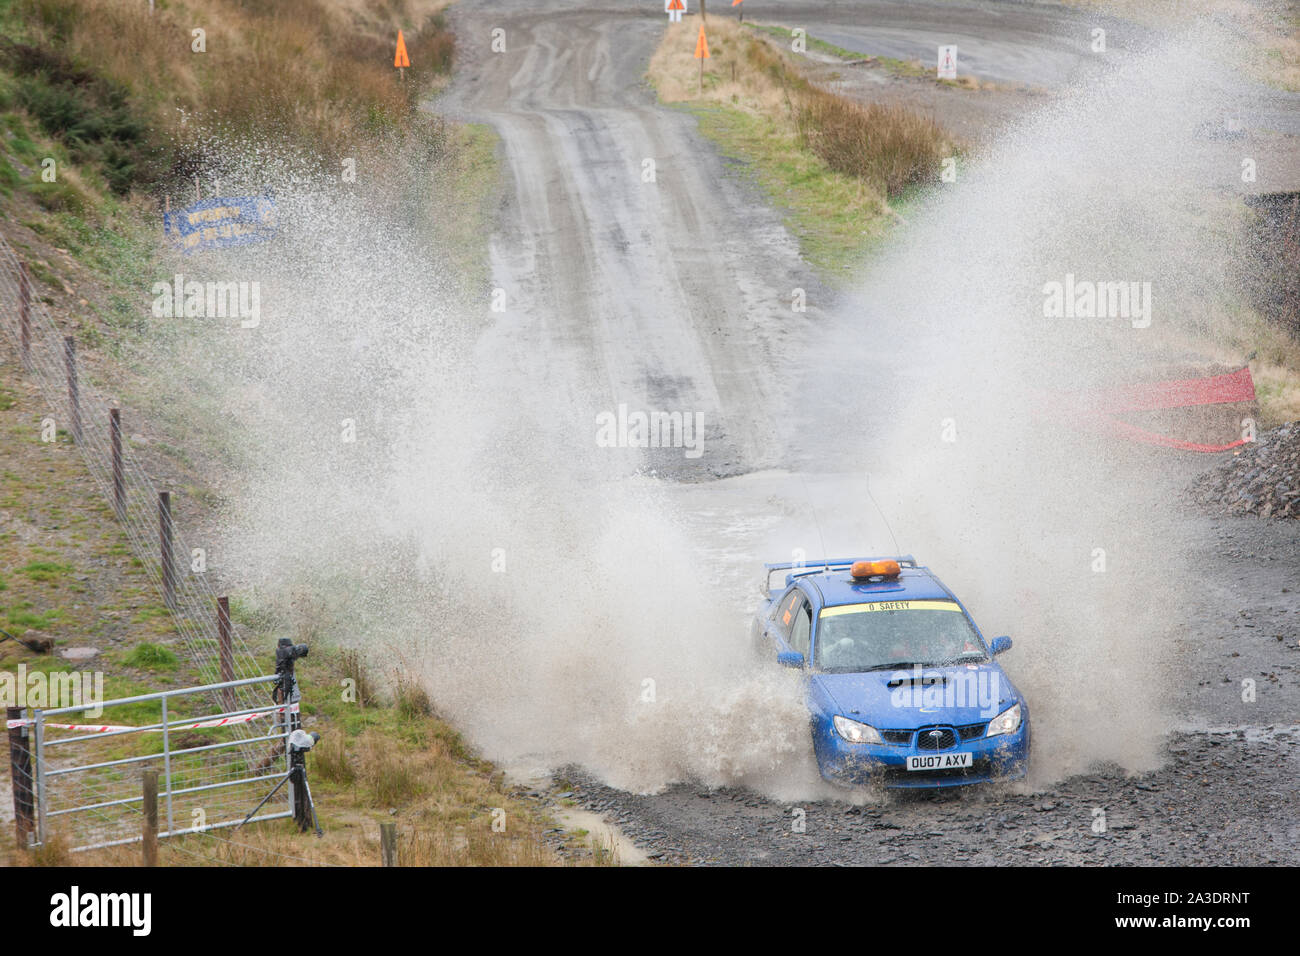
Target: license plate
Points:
(951, 761)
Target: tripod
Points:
(298, 743)
(304, 809)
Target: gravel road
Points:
(667, 294)
(676, 293)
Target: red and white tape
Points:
(196, 725)
(1095, 410)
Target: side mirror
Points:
(790, 659)
(1000, 644)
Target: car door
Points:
(777, 626)
(791, 619)
(800, 639)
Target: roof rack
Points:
(825, 564)
(804, 568)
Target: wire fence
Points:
(77, 411)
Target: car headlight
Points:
(856, 733)
(1007, 722)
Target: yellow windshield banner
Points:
(890, 606)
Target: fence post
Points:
(74, 392)
(150, 831)
(165, 548)
(25, 313)
(20, 772)
(388, 843)
(225, 654)
(119, 482)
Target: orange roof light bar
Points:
(875, 569)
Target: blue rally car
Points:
(902, 689)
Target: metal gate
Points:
(216, 760)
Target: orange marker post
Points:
(702, 54)
(736, 3)
(400, 59)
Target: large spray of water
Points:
(427, 490)
(1072, 542)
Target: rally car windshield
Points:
(885, 634)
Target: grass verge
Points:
(837, 168)
(75, 91)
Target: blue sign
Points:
(229, 221)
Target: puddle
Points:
(601, 835)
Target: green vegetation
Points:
(150, 657)
(122, 130)
(88, 114)
(44, 570)
(77, 67)
(839, 169)
(838, 220)
(21, 619)
(912, 68)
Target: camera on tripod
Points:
(296, 740)
(285, 690)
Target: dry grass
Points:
(797, 140)
(330, 760)
(314, 71)
(891, 147)
(355, 670)
(282, 845)
(448, 811)
(743, 71)
(411, 699)
(888, 147)
(478, 847)
(390, 778)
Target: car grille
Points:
(978, 768)
(903, 737)
(946, 738)
(971, 731)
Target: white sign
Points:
(948, 62)
(674, 16)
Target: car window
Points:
(881, 634)
(801, 630)
(785, 612)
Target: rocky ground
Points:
(1263, 480)
(1194, 811)
(574, 120)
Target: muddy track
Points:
(627, 255)
(1225, 794)
(674, 294)
(1193, 812)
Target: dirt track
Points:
(666, 294)
(676, 294)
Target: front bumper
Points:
(992, 758)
